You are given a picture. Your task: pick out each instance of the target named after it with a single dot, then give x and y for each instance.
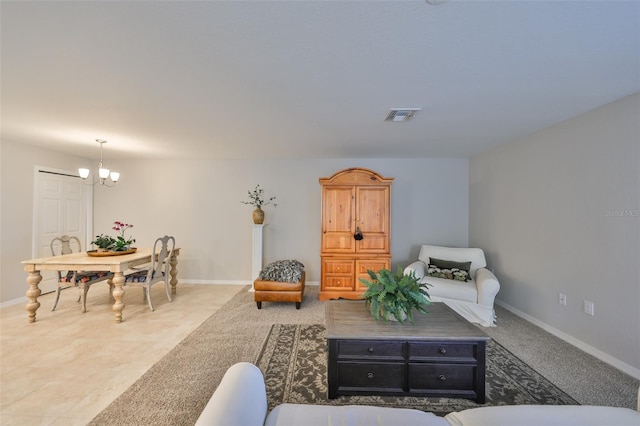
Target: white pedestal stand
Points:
(256, 259)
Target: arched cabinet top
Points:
(356, 176)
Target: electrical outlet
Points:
(562, 299)
(589, 308)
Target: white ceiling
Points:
(307, 79)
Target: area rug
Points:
(294, 362)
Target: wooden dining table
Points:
(82, 261)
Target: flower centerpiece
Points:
(257, 199)
(119, 243)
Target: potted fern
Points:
(393, 297)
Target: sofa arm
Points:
(488, 287)
(417, 267)
(239, 400)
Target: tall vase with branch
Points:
(257, 199)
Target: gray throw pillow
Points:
(450, 264)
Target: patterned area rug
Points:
(294, 363)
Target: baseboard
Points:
(214, 282)
(13, 302)
(24, 299)
(602, 356)
(230, 282)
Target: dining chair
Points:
(157, 271)
(81, 279)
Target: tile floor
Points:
(68, 366)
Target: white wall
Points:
(200, 203)
(559, 212)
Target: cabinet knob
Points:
(370, 375)
(370, 348)
(443, 351)
(442, 378)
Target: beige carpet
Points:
(175, 390)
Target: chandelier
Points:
(104, 174)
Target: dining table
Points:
(117, 264)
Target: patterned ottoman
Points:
(280, 281)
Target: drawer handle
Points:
(370, 349)
(443, 351)
(370, 375)
(442, 378)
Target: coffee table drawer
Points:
(434, 377)
(367, 349)
(444, 351)
(383, 376)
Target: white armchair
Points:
(473, 299)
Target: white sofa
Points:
(241, 400)
(472, 299)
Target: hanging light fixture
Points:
(103, 173)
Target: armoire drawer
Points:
(338, 267)
(339, 282)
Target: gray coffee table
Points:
(441, 355)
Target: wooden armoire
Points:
(355, 231)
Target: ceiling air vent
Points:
(401, 114)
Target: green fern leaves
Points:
(394, 296)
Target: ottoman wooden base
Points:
(278, 291)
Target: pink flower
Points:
(121, 227)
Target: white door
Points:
(62, 206)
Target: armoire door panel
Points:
(337, 210)
(371, 207)
(337, 226)
(372, 244)
(338, 242)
